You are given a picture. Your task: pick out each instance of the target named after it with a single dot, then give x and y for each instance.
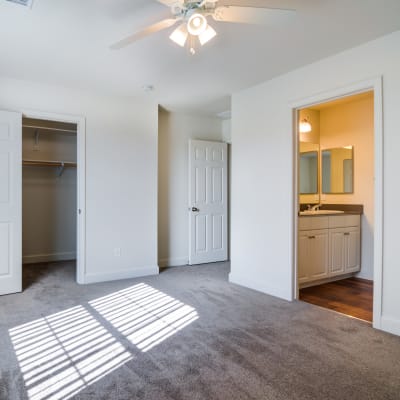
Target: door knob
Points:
(195, 209)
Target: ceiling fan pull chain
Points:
(192, 43)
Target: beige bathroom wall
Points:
(352, 124)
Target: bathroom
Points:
(335, 242)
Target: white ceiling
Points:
(66, 42)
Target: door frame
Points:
(375, 85)
(80, 121)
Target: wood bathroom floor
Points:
(352, 296)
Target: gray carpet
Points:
(186, 334)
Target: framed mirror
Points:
(308, 170)
(337, 170)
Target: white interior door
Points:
(10, 202)
(208, 202)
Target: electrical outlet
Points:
(117, 252)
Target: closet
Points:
(49, 192)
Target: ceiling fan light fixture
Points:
(197, 24)
(207, 35)
(179, 35)
(193, 14)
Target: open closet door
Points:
(10, 202)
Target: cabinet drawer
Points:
(341, 221)
(310, 223)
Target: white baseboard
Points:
(390, 325)
(118, 275)
(43, 258)
(361, 275)
(259, 286)
(173, 262)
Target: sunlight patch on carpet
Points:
(61, 354)
(144, 315)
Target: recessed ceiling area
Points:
(66, 42)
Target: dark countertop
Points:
(354, 209)
(328, 215)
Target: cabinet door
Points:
(352, 253)
(337, 251)
(303, 258)
(319, 248)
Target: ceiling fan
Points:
(192, 16)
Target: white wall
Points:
(226, 130)
(353, 124)
(48, 200)
(175, 130)
(262, 171)
(121, 173)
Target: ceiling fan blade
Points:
(159, 26)
(170, 3)
(252, 15)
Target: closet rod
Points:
(50, 129)
(40, 163)
(61, 165)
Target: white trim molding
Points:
(390, 325)
(52, 257)
(119, 275)
(373, 84)
(173, 262)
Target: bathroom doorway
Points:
(336, 221)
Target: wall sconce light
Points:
(305, 125)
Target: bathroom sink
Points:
(320, 212)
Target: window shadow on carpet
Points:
(61, 354)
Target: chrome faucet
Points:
(315, 207)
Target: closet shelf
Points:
(50, 129)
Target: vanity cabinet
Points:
(328, 246)
(313, 255)
(344, 244)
